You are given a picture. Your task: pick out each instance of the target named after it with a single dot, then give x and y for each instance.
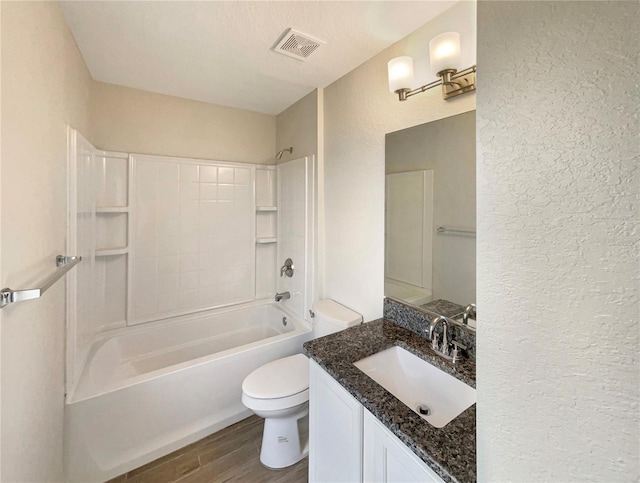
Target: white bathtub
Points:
(407, 292)
(145, 393)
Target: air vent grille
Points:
(297, 44)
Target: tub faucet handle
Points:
(287, 268)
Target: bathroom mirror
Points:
(430, 214)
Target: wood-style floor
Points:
(232, 454)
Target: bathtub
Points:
(407, 292)
(151, 390)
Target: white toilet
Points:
(279, 392)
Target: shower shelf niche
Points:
(266, 231)
(111, 232)
(98, 224)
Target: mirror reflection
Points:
(430, 219)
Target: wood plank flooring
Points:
(230, 455)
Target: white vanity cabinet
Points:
(387, 459)
(348, 444)
(335, 430)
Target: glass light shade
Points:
(444, 52)
(400, 73)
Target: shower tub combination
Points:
(148, 392)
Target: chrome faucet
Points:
(434, 323)
(469, 311)
(282, 295)
(443, 349)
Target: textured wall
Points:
(45, 85)
(297, 126)
(558, 229)
(135, 121)
(358, 111)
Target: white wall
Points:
(558, 184)
(358, 111)
(45, 85)
(297, 126)
(135, 121)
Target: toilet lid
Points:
(280, 378)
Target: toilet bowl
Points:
(279, 392)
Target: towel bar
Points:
(64, 264)
(454, 231)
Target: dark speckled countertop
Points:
(449, 451)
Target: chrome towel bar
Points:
(455, 231)
(64, 264)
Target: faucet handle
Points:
(458, 345)
(456, 354)
(287, 268)
(435, 344)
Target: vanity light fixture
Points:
(444, 51)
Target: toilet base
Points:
(285, 441)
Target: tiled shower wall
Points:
(162, 237)
(193, 230)
(296, 237)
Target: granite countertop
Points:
(449, 451)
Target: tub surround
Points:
(417, 321)
(449, 451)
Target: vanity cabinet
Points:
(387, 459)
(348, 444)
(335, 430)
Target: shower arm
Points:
(281, 152)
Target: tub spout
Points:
(283, 295)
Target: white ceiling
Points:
(220, 51)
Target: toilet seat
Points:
(280, 384)
(280, 378)
(257, 404)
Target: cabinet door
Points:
(335, 430)
(388, 460)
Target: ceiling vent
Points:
(297, 45)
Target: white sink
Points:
(419, 384)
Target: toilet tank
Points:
(330, 317)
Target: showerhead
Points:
(280, 153)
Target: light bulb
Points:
(400, 72)
(444, 52)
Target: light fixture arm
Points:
(453, 84)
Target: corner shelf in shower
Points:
(109, 252)
(112, 209)
(265, 240)
(266, 208)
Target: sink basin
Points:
(431, 393)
